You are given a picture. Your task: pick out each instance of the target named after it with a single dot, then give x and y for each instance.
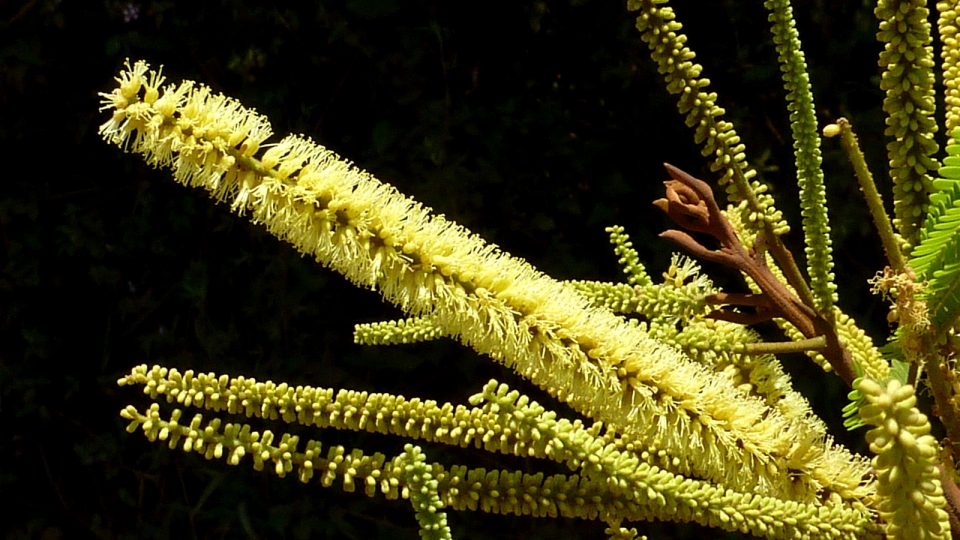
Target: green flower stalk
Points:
(424, 494)
(806, 147)
(457, 487)
(402, 331)
(622, 533)
(682, 296)
(912, 503)
(661, 31)
(950, 57)
(671, 496)
(603, 366)
(616, 480)
(908, 80)
(629, 258)
(890, 241)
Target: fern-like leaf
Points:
(937, 258)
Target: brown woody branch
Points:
(690, 204)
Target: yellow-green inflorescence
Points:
(457, 487)
(661, 31)
(606, 368)
(675, 497)
(629, 258)
(806, 146)
(423, 490)
(911, 497)
(401, 331)
(907, 60)
(680, 297)
(950, 57)
(674, 312)
(615, 480)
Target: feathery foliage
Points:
(937, 258)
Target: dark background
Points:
(535, 124)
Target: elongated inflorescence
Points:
(616, 481)
(499, 305)
(908, 80)
(718, 138)
(912, 502)
(806, 146)
(950, 65)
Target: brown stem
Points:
(738, 299)
(779, 252)
(791, 271)
(694, 248)
(736, 317)
(933, 366)
(952, 493)
(690, 203)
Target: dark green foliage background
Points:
(536, 124)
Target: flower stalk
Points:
(891, 245)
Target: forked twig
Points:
(690, 203)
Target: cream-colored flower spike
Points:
(497, 304)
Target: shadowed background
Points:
(535, 124)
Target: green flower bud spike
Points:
(806, 146)
(909, 104)
(950, 56)
(908, 482)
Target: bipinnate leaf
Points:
(937, 258)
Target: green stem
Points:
(874, 201)
(783, 347)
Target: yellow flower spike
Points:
(516, 318)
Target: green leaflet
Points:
(951, 172)
(937, 258)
